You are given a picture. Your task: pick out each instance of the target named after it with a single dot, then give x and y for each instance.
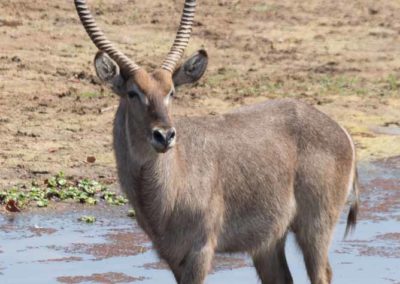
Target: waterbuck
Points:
(237, 182)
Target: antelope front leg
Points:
(196, 265)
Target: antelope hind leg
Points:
(271, 264)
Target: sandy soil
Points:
(341, 56)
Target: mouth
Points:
(161, 148)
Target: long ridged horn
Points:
(100, 40)
(182, 36)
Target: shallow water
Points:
(387, 130)
(51, 248)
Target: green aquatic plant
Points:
(87, 219)
(61, 188)
(131, 213)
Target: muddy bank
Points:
(54, 114)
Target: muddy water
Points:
(56, 248)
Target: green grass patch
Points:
(393, 83)
(90, 95)
(263, 8)
(222, 76)
(339, 85)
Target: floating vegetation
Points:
(59, 188)
(87, 219)
(131, 213)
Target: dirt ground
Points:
(341, 56)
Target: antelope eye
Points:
(172, 94)
(132, 94)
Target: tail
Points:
(353, 189)
(352, 217)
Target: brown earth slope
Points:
(339, 55)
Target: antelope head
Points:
(148, 95)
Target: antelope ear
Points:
(192, 69)
(108, 71)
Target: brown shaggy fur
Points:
(237, 182)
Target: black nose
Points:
(164, 137)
